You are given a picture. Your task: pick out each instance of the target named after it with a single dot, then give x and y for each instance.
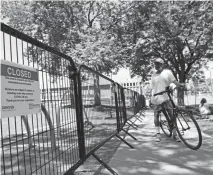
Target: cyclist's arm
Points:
(178, 84)
(173, 80)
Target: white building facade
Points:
(124, 79)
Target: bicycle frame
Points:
(174, 108)
(179, 122)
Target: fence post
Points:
(75, 76)
(116, 105)
(124, 105)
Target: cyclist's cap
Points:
(158, 60)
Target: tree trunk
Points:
(180, 92)
(97, 92)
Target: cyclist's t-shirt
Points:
(159, 83)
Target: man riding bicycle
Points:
(161, 79)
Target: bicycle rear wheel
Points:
(164, 124)
(188, 130)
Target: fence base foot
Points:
(138, 118)
(129, 134)
(132, 125)
(142, 112)
(124, 141)
(104, 164)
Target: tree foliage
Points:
(180, 33)
(83, 30)
(107, 35)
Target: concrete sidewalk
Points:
(160, 158)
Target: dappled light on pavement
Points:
(167, 157)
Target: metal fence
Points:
(46, 142)
(99, 108)
(130, 101)
(80, 111)
(121, 107)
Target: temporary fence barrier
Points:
(134, 104)
(80, 109)
(98, 100)
(29, 143)
(121, 106)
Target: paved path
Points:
(160, 158)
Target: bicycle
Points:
(187, 127)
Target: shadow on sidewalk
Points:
(161, 158)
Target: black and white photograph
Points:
(106, 87)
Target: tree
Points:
(78, 29)
(181, 33)
(109, 35)
(199, 75)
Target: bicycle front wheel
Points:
(188, 130)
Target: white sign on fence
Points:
(20, 92)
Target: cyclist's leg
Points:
(157, 108)
(169, 109)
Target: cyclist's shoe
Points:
(176, 138)
(157, 139)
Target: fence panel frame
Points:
(72, 71)
(74, 75)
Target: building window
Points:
(127, 84)
(130, 84)
(133, 84)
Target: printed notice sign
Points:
(20, 92)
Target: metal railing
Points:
(81, 110)
(30, 144)
(99, 103)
